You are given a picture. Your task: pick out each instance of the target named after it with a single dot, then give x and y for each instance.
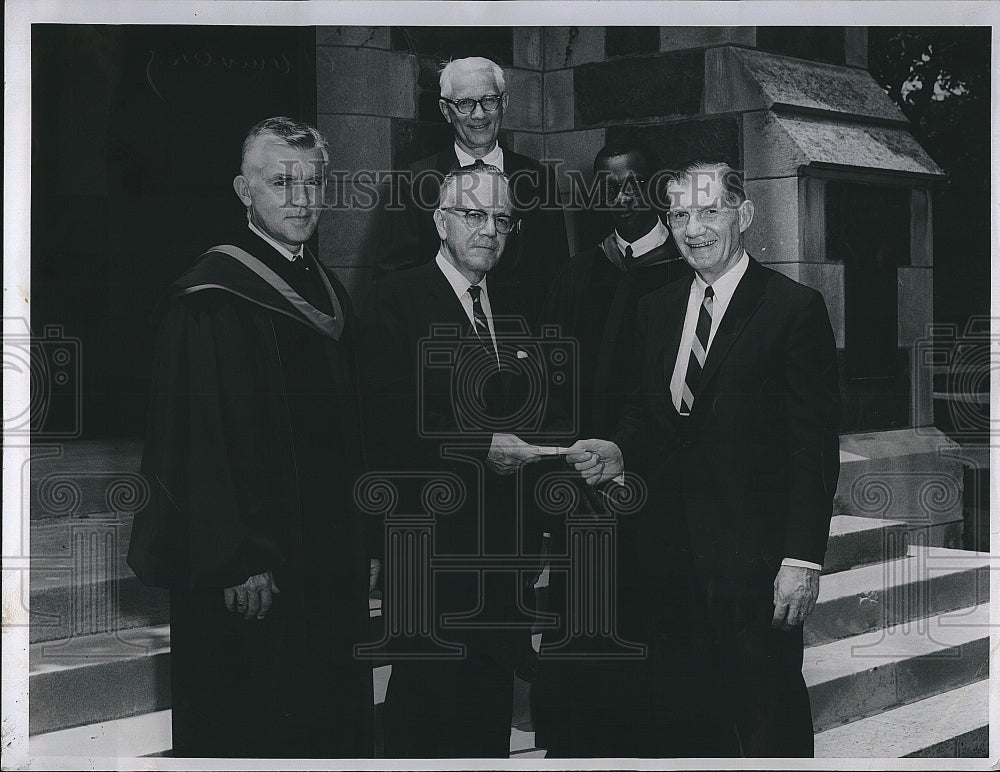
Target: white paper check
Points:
(550, 450)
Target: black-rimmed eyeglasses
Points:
(489, 103)
(476, 218)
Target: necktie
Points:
(481, 326)
(628, 252)
(699, 350)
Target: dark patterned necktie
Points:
(628, 253)
(481, 326)
(699, 350)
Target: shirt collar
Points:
(725, 285)
(656, 237)
(493, 158)
(459, 284)
(282, 249)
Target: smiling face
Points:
(473, 250)
(282, 188)
(476, 133)
(707, 221)
(626, 178)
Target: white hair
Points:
(458, 67)
(466, 180)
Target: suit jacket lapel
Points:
(447, 161)
(745, 301)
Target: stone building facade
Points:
(843, 191)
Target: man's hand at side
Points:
(795, 593)
(596, 460)
(508, 452)
(253, 598)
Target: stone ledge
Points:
(929, 581)
(777, 145)
(858, 541)
(744, 79)
(931, 725)
(872, 672)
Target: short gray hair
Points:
(458, 67)
(451, 182)
(291, 132)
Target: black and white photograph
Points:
(466, 385)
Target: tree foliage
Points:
(940, 78)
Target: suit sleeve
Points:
(813, 416)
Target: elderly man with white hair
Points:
(456, 641)
(473, 101)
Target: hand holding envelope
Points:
(508, 452)
(597, 461)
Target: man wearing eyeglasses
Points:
(447, 418)
(733, 425)
(473, 101)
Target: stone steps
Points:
(98, 678)
(858, 541)
(148, 734)
(929, 581)
(953, 724)
(898, 638)
(909, 475)
(80, 583)
(874, 672)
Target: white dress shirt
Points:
(282, 249)
(460, 285)
(493, 158)
(656, 237)
(724, 288)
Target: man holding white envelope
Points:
(446, 392)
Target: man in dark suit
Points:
(443, 389)
(733, 427)
(473, 100)
(251, 454)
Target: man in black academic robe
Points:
(537, 249)
(252, 454)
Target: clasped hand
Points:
(253, 598)
(597, 461)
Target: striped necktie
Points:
(481, 326)
(699, 350)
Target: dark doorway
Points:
(136, 137)
(868, 229)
